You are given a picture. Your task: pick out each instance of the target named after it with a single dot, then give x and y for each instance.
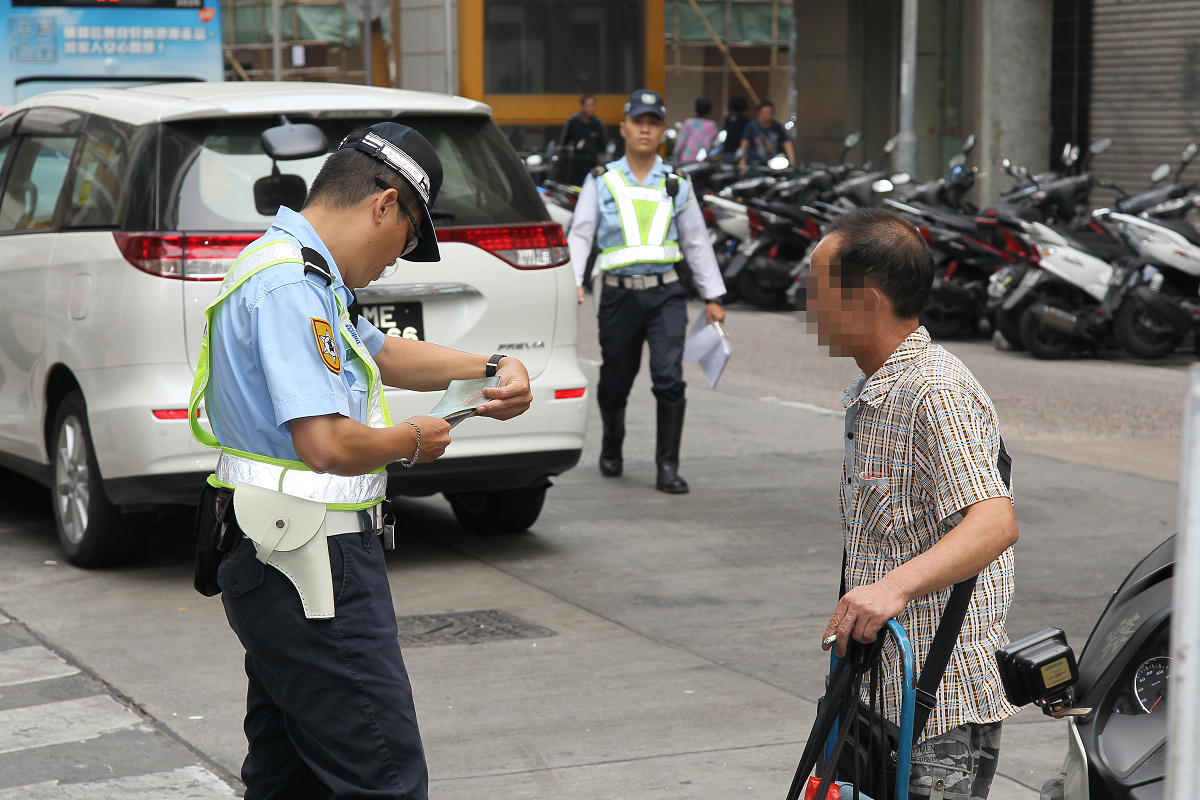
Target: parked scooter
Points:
(1115, 698)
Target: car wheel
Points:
(91, 530)
(509, 511)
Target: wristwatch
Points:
(493, 364)
(716, 300)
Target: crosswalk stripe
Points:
(62, 722)
(193, 783)
(32, 664)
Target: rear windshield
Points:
(210, 168)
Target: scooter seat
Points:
(1182, 228)
(1100, 245)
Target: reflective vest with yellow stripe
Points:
(337, 492)
(645, 213)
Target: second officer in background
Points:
(644, 219)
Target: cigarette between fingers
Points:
(830, 640)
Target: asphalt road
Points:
(648, 646)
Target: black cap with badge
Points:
(411, 155)
(645, 101)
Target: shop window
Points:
(563, 46)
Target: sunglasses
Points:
(415, 239)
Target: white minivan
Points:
(120, 211)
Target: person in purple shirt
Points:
(696, 134)
(765, 137)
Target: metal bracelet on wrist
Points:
(408, 462)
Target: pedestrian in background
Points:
(584, 138)
(924, 504)
(765, 137)
(734, 127)
(696, 134)
(644, 219)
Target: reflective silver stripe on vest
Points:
(642, 254)
(316, 486)
(279, 251)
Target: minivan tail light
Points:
(190, 257)
(540, 245)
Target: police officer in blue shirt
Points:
(292, 381)
(644, 219)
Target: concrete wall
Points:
(1006, 87)
(423, 44)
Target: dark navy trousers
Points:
(329, 709)
(629, 317)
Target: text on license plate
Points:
(397, 319)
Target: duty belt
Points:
(640, 282)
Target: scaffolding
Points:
(321, 42)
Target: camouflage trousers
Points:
(958, 765)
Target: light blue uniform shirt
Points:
(266, 365)
(596, 216)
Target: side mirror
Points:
(533, 160)
(882, 185)
(968, 144)
(1160, 173)
(722, 136)
(958, 161)
(702, 154)
(288, 142)
(901, 178)
(1070, 155)
(791, 123)
(1189, 152)
(852, 140)
(890, 145)
(779, 162)
(1100, 145)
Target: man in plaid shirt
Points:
(923, 503)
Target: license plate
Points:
(397, 319)
(749, 247)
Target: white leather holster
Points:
(289, 534)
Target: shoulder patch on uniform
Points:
(326, 344)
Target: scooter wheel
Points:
(1040, 340)
(768, 298)
(1142, 332)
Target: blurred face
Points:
(841, 318)
(643, 133)
(766, 115)
(588, 107)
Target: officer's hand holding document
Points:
(709, 347)
(462, 398)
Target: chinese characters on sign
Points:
(131, 40)
(31, 39)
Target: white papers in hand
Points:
(709, 347)
(462, 398)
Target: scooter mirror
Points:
(1160, 173)
(779, 162)
(882, 185)
(1004, 164)
(722, 136)
(1100, 145)
(968, 144)
(890, 145)
(533, 160)
(1190, 151)
(702, 154)
(958, 161)
(901, 178)
(852, 140)
(1066, 154)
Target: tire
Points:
(509, 511)
(768, 298)
(1142, 332)
(91, 530)
(1045, 343)
(1009, 325)
(944, 322)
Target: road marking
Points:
(828, 412)
(194, 783)
(4, 620)
(62, 722)
(31, 664)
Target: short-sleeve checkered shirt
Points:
(921, 445)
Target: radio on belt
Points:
(1041, 669)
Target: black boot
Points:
(611, 463)
(670, 432)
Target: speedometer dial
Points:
(1150, 683)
